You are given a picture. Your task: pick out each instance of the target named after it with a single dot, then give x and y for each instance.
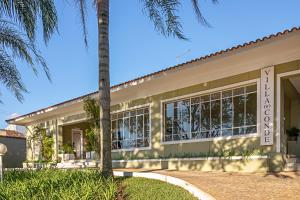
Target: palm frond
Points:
(10, 76)
(26, 12)
(163, 13)
(81, 4)
(198, 13)
(12, 39)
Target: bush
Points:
(57, 184)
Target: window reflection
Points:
(225, 113)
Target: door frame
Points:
(279, 109)
(81, 140)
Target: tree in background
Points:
(16, 18)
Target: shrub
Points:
(57, 184)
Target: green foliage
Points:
(142, 188)
(164, 15)
(68, 148)
(57, 184)
(46, 141)
(92, 110)
(293, 132)
(14, 44)
(91, 140)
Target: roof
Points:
(234, 48)
(11, 133)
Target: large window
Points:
(130, 129)
(223, 113)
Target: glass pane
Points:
(140, 111)
(226, 132)
(146, 110)
(140, 126)
(238, 91)
(132, 113)
(251, 88)
(127, 144)
(120, 115)
(114, 116)
(215, 118)
(205, 98)
(239, 110)
(114, 130)
(140, 143)
(168, 137)
(238, 131)
(251, 109)
(114, 145)
(215, 96)
(126, 114)
(133, 127)
(251, 129)
(120, 129)
(205, 134)
(227, 93)
(146, 125)
(196, 135)
(169, 119)
(195, 100)
(146, 142)
(227, 113)
(126, 128)
(195, 117)
(205, 116)
(184, 118)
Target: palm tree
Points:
(163, 14)
(17, 17)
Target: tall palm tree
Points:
(163, 13)
(17, 17)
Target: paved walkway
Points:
(249, 186)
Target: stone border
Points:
(169, 179)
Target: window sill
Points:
(211, 139)
(132, 149)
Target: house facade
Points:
(226, 111)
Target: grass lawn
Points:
(83, 184)
(142, 188)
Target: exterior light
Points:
(3, 150)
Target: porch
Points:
(73, 144)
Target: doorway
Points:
(77, 143)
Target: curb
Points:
(169, 179)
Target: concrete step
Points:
(292, 164)
(77, 164)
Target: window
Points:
(130, 129)
(225, 113)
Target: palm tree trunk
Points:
(104, 87)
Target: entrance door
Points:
(77, 142)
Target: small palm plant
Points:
(293, 133)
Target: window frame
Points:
(150, 132)
(210, 91)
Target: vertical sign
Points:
(267, 105)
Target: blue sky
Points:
(136, 49)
